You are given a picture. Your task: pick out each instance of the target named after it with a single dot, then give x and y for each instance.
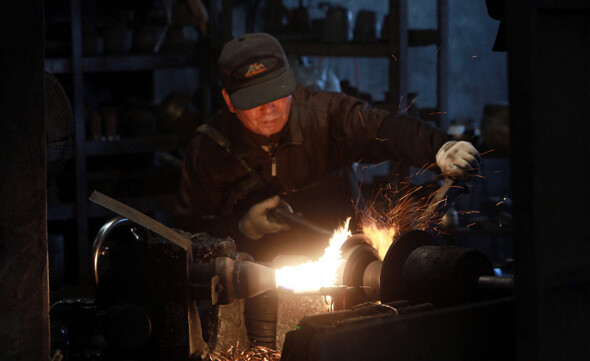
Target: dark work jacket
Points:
(325, 132)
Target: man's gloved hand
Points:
(257, 222)
(458, 160)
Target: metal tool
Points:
(443, 199)
(295, 219)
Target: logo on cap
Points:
(254, 69)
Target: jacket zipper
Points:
(273, 167)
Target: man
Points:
(277, 145)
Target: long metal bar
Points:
(294, 219)
(141, 219)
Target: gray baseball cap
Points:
(254, 70)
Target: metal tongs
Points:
(441, 201)
(296, 219)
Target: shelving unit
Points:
(80, 211)
(395, 50)
(337, 49)
(131, 62)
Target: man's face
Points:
(266, 119)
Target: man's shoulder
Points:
(218, 129)
(224, 121)
(311, 97)
(221, 117)
(311, 91)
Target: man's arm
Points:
(411, 140)
(371, 135)
(201, 191)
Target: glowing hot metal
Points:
(313, 275)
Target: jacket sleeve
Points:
(410, 140)
(201, 192)
(371, 135)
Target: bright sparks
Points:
(311, 276)
(398, 211)
(381, 237)
(382, 223)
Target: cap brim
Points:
(265, 92)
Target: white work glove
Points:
(458, 160)
(257, 222)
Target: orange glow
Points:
(381, 237)
(311, 276)
(399, 210)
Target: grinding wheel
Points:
(392, 269)
(358, 253)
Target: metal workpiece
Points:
(364, 281)
(372, 279)
(241, 279)
(441, 202)
(415, 268)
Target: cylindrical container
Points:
(300, 20)
(109, 121)
(365, 28)
(359, 254)
(94, 126)
(337, 25)
(260, 313)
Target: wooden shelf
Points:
(417, 37)
(350, 49)
(160, 142)
(131, 62)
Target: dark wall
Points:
(24, 296)
(549, 53)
